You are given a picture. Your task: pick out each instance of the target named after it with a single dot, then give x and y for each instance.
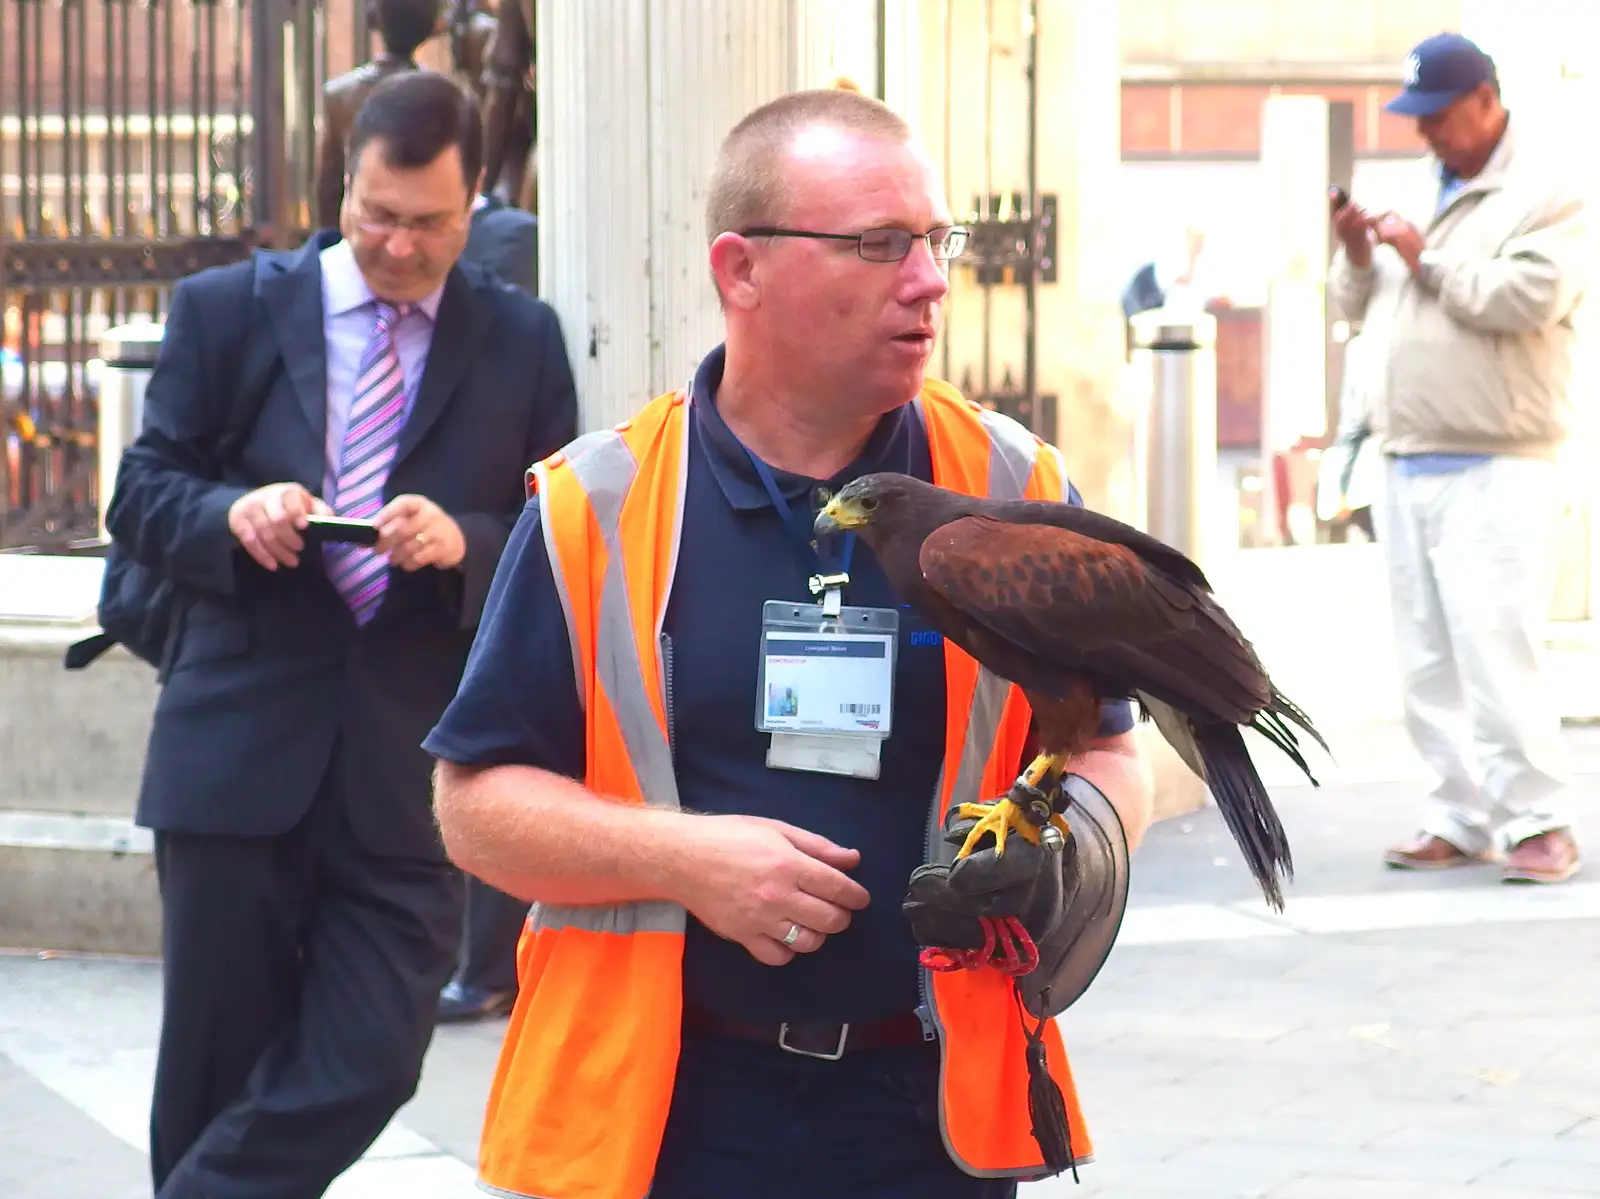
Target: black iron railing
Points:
(126, 162)
(140, 141)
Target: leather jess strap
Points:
(812, 1038)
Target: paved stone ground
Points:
(1392, 1037)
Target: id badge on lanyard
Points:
(825, 687)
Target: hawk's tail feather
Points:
(1246, 807)
(1271, 726)
(1283, 706)
(1273, 722)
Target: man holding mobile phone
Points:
(1470, 287)
(310, 916)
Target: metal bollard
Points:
(128, 355)
(1175, 438)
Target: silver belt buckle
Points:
(838, 1052)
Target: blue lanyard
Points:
(825, 578)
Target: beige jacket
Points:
(1479, 349)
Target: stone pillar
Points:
(634, 98)
(1294, 176)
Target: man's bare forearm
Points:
(547, 839)
(1118, 768)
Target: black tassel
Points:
(1046, 1106)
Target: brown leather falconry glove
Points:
(1045, 913)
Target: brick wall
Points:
(1238, 377)
(1210, 120)
(81, 48)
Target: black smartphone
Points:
(1338, 198)
(326, 529)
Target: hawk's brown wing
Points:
(1083, 604)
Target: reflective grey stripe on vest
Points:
(605, 468)
(580, 448)
(1011, 450)
(1011, 454)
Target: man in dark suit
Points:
(309, 914)
(503, 240)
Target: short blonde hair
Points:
(748, 182)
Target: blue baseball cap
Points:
(1440, 70)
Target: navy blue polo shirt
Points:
(517, 703)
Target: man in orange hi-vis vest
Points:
(711, 751)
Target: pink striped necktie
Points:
(377, 414)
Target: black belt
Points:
(813, 1038)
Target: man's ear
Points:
(736, 271)
(347, 204)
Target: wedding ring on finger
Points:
(793, 935)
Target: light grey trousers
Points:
(1470, 560)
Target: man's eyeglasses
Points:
(883, 245)
(379, 223)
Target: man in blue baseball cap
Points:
(1470, 286)
(1440, 71)
(1454, 92)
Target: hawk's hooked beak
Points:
(839, 515)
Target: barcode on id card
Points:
(860, 709)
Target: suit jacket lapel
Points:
(457, 334)
(291, 288)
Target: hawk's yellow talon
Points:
(1041, 766)
(996, 818)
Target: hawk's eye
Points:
(869, 504)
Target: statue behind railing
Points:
(490, 54)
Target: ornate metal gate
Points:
(126, 162)
(140, 141)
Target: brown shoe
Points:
(1550, 857)
(1427, 852)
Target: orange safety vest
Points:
(580, 1096)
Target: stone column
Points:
(1294, 188)
(634, 98)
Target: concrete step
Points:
(75, 873)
